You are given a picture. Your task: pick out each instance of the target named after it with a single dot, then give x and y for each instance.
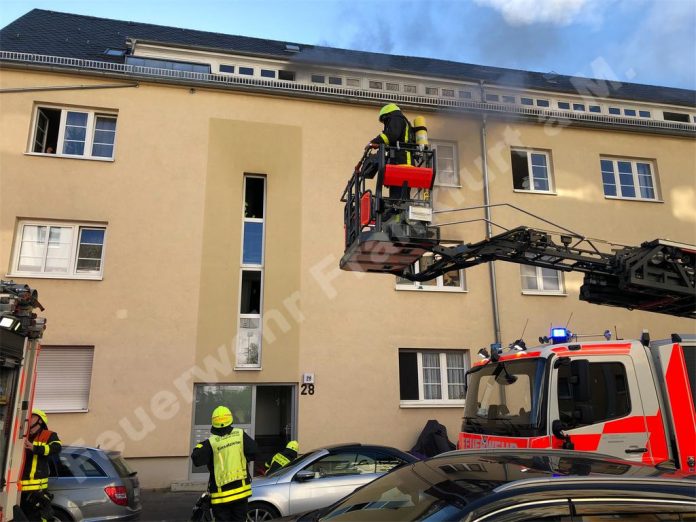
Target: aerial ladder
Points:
(20, 333)
(387, 235)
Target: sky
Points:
(642, 41)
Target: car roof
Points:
(78, 449)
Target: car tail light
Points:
(117, 494)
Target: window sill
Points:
(431, 404)
(544, 192)
(248, 368)
(635, 199)
(414, 288)
(445, 185)
(86, 410)
(55, 276)
(68, 156)
(539, 292)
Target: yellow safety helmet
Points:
(41, 415)
(293, 445)
(390, 107)
(222, 417)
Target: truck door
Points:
(599, 406)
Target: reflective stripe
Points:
(384, 138)
(280, 459)
(33, 485)
(34, 462)
(231, 495)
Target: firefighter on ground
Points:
(283, 458)
(397, 131)
(226, 453)
(40, 443)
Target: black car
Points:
(520, 485)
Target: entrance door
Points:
(265, 412)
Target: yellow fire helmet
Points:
(390, 107)
(293, 445)
(41, 415)
(222, 417)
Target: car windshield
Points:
(305, 457)
(410, 493)
(505, 398)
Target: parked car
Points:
(519, 485)
(93, 484)
(319, 478)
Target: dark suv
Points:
(520, 485)
(93, 484)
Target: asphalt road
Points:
(165, 505)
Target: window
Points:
(492, 97)
(227, 68)
(63, 378)
(267, 73)
(447, 171)
(614, 110)
(286, 75)
(629, 112)
(115, 52)
(432, 91)
(63, 250)
(73, 132)
(526, 101)
(251, 277)
(454, 281)
(595, 108)
(465, 95)
(392, 86)
(75, 464)
(410, 89)
(644, 114)
(609, 398)
(579, 107)
(353, 82)
(335, 80)
(564, 106)
(432, 377)
(248, 71)
(531, 170)
(629, 179)
(448, 93)
(509, 99)
(675, 116)
(372, 84)
(359, 462)
(538, 280)
(168, 64)
(542, 103)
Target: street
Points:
(164, 505)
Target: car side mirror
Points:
(304, 475)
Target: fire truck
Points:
(631, 399)
(20, 333)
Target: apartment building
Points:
(174, 197)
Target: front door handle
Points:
(637, 450)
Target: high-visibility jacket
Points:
(280, 460)
(225, 456)
(397, 129)
(35, 472)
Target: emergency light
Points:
(560, 335)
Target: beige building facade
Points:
(184, 235)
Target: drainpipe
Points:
(489, 226)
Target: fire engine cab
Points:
(630, 399)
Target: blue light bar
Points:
(560, 335)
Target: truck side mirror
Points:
(557, 430)
(580, 378)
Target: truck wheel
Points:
(260, 511)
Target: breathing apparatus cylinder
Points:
(421, 132)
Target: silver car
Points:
(320, 478)
(93, 484)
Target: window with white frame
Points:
(432, 377)
(447, 171)
(250, 332)
(539, 280)
(531, 170)
(74, 132)
(629, 178)
(454, 281)
(63, 378)
(54, 249)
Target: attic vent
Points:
(292, 48)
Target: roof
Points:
(87, 37)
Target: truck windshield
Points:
(505, 398)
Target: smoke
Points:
(527, 12)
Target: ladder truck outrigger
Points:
(633, 399)
(20, 333)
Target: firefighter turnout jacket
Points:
(226, 453)
(280, 460)
(397, 130)
(35, 472)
